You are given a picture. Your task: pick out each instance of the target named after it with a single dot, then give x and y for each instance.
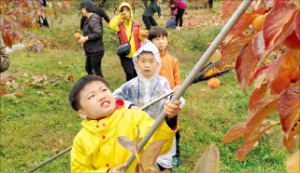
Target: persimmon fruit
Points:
(213, 83)
(258, 22)
(77, 36)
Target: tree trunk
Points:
(4, 58)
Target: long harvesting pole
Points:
(200, 64)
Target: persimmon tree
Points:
(267, 61)
(19, 17)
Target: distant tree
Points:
(19, 17)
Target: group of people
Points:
(127, 28)
(150, 72)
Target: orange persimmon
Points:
(258, 22)
(77, 36)
(213, 83)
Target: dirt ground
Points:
(194, 18)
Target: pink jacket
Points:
(181, 4)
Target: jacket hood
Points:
(149, 46)
(125, 4)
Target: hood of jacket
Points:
(149, 46)
(125, 4)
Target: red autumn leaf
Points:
(258, 72)
(292, 41)
(258, 47)
(295, 76)
(288, 64)
(278, 3)
(232, 50)
(260, 112)
(289, 142)
(289, 108)
(245, 148)
(272, 70)
(257, 95)
(297, 24)
(245, 64)
(280, 83)
(278, 22)
(7, 39)
(264, 128)
(235, 132)
(242, 24)
(229, 7)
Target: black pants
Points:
(149, 21)
(177, 136)
(128, 68)
(179, 17)
(210, 3)
(93, 64)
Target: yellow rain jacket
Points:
(123, 28)
(95, 147)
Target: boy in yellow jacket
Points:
(95, 147)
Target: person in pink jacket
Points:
(181, 6)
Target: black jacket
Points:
(93, 29)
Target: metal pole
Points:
(50, 159)
(156, 100)
(200, 64)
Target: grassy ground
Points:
(39, 121)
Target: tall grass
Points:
(34, 126)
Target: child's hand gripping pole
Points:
(191, 77)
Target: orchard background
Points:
(257, 105)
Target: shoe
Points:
(176, 161)
(178, 27)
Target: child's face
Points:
(161, 43)
(96, 101)
(147, 65)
